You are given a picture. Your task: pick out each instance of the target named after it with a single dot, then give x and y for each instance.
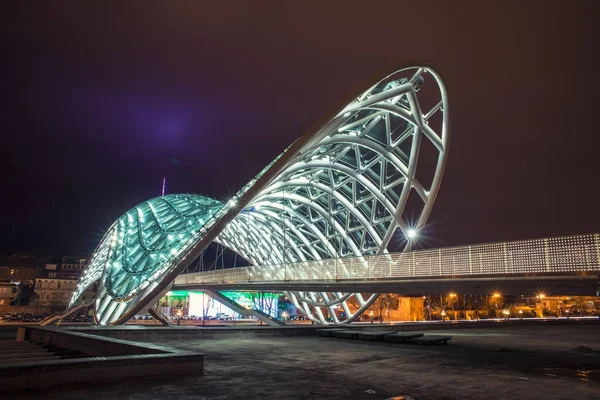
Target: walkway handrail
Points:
(580, 253)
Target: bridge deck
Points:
(576, 283)
(552, 261)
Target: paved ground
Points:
(529, 362)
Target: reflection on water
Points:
(590, 375)
(583, 375)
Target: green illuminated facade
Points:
(148, 237)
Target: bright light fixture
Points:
(411, 234)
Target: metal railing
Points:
(578, 253)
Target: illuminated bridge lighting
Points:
(580, 253)
(340, 191)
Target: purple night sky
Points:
(100, 102)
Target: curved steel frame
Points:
(341, 190)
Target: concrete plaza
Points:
(507, 362)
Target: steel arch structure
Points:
(348, 188)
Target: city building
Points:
(562, 306)
(55, 284)
(9, 294)
(20, 268)
(17, 278)
(183, 303)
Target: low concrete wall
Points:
(147, 333)
(442, 325)
(46, 374)
(142, 333)
(87, 344)
(116, 360)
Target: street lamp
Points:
(371, 315)
(540, 300)
(506, 314)
(428, 306)
(285, 315)
(521, 314)
(496, 296)
(454, 296)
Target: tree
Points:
(495, 301)
(263, 301)
(451, 300)
(579, 305)
(57, 302)
(387, 301)
(206, 305)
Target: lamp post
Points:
(443, 314)
(371, 315)
(496, 296)
(521, 314)
(506, 314)
(454, 298)
(540, 300)
(285, 316)
(428, 306)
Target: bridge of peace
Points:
(334, 217)
(331, 223)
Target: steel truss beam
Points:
(339, 191)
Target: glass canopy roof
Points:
(150, 235)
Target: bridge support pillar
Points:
(158, 316)
(266, 318)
